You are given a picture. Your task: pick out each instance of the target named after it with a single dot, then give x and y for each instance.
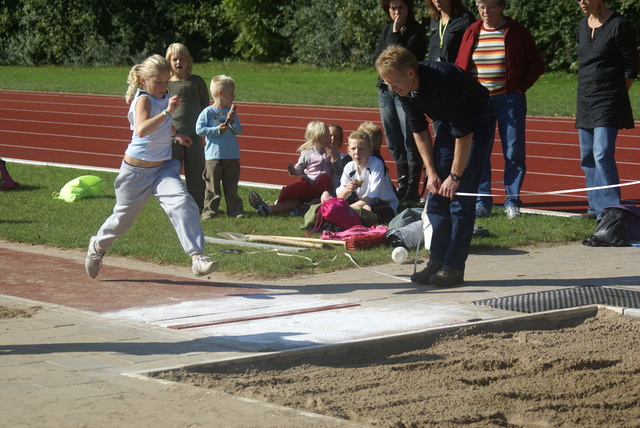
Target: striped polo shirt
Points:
(488, 62)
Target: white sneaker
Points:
(93, 261)
(512, 212)
(203, 265)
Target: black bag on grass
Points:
(618, 226)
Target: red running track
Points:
(92, 131)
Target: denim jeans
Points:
(396, 128)
(597, 159)
(511, 112)
(453, 220)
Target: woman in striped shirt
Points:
(502, 55)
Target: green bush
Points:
(53, 32)
(257, 25)
(203, 28)
(335, 33)
(92, 32)
(556, 37)
(339, 33)
(553, 25)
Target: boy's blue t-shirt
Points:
(219, 145)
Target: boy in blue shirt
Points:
(219, 124)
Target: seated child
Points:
(375, 135)
(336, 137)
(315, 165)
(337, 142)
(364, 182)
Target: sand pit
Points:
(584, 372)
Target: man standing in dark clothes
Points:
(454, 161)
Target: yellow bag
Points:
(81, 187)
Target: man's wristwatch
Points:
(455, 177)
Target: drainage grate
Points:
(565, 298)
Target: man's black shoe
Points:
(447, 277)
(423, 276)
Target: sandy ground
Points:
(584, 373)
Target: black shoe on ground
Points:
(447, 277)
(480, 231)
(258, 204)
(412, 196)
(423, 276)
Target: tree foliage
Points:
(335, 33)
(94, 32)
(555, 38)
(553, 26)
(329, 33)
(257, 27)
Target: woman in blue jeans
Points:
(608, 57)
(404, 31)
(502, 55)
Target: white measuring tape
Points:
(375, 271)
(556, 192)
(327, 260)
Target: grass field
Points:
(30, 214)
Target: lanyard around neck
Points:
(441, 30)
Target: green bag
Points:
(311, 216)
(368, 218)
(81, 187)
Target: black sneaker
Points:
(299, 211)
(447, 277)
(423, 276)
(480, 231)
(258, 204)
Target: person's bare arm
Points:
(629, 82)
